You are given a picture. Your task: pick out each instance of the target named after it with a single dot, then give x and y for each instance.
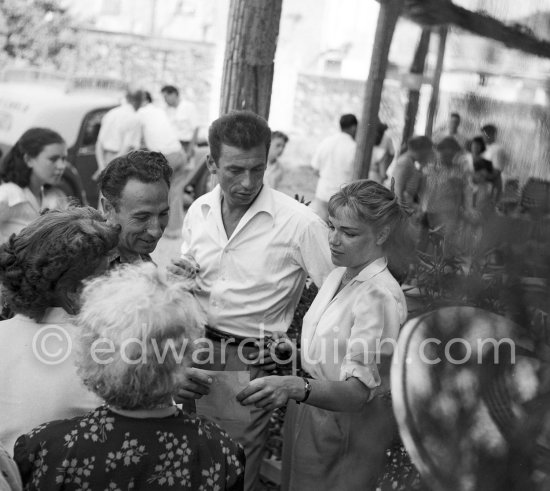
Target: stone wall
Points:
(321, 100)
(146, 62)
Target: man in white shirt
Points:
(183, 116)
(120, 131)
(333, 162)
(496, 154)
(451, 130)
(159, 136)
(251, 248)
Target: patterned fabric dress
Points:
(107, 451)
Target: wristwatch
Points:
(307, 389)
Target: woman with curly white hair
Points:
(138, 329)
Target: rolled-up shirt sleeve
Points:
(314, 250)
(376, 315)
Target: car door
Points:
(83, 153)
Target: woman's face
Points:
(353, 242)
(476, 148)
(276, 148)
(49, 164)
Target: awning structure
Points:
(485, 18)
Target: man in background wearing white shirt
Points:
(496, 153)
(120, 131)
(251, 249)
(183, 116)
(333, 161)
(159, 136)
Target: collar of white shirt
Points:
(264, 203)
(372, 269)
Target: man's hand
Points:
(185, 266)
(266, 392)
(195, 384)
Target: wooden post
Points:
(434, 98)
(366, 134)
(417, 69)
(253, 27)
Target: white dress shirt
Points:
(120, 130)
(253, 280)
(496, 154)
(183, 119)
(158, 133)
(33, 392)
(342, 332)
(334, 162)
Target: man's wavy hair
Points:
(142, 165)
(240, 129)
(138, 328)
(31, 143)
(58, 249)
(379, 207)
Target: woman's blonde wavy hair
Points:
(138, 328)
(378, 206)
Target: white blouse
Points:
(343, 332)
(35, 387)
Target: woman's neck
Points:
(36, 188)
(159, 412)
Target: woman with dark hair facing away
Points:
(337, 437)
(136, 361)
(41, 270)
(36, 161)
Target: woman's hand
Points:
(271, 392)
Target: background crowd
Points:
(131, 420)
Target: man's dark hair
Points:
(147, 96)
(489, 130)
(170, 89)
(142, 165)
(419, 143)
(240, 129)
(279, 134)
(448, 143)
(455, 115)
(347, 121)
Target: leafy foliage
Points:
(37, 31)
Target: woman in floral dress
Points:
(137, 327)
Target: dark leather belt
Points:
(217, 335)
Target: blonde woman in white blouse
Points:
(337, 438)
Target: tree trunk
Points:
(434, 98)
(366, 133)
(253, 27)
(417, 68)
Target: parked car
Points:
(73, 107)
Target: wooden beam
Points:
(390, 11)
(417, 68)
(434, 97)
(253, 28)
(443, 12)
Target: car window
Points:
(90, 131)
